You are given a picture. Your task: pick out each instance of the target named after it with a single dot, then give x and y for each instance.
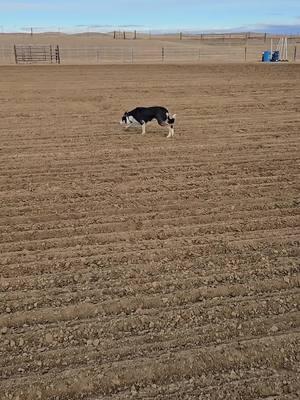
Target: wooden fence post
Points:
(57, 55)
(295, 53)
(180, 36)
(124, 35)
(114, 34)
(246, 45)
(134, 37)
(15, 51)
(265, 37)
(162, 54)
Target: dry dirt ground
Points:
(141, 267)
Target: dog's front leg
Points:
(171, 133)
(143, 128)
(172, 130)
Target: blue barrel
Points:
(266, 56)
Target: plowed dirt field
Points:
(143, 267)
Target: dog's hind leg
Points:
(143, 128)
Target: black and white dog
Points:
(142, 115)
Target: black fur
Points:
(146, 114)
(142, 115)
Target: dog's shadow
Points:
(152, 130)
(149, 133)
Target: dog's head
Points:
(124, 119)
(171, 119)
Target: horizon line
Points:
(101, 29)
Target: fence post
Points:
(57, 55)
(114, 34)
(271, 46)
(180, 36)
(134, 35)
(295, 53)
(265, 37)
(15, 51)
(246, 45)
(124, 35)
(162, 54)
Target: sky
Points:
(170, 15)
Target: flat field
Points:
(102, 49)
(142, 267)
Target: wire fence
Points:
(155, 55)
(135, 32)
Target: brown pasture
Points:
(141, 267)
(93, 48)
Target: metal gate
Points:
(36, 54)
